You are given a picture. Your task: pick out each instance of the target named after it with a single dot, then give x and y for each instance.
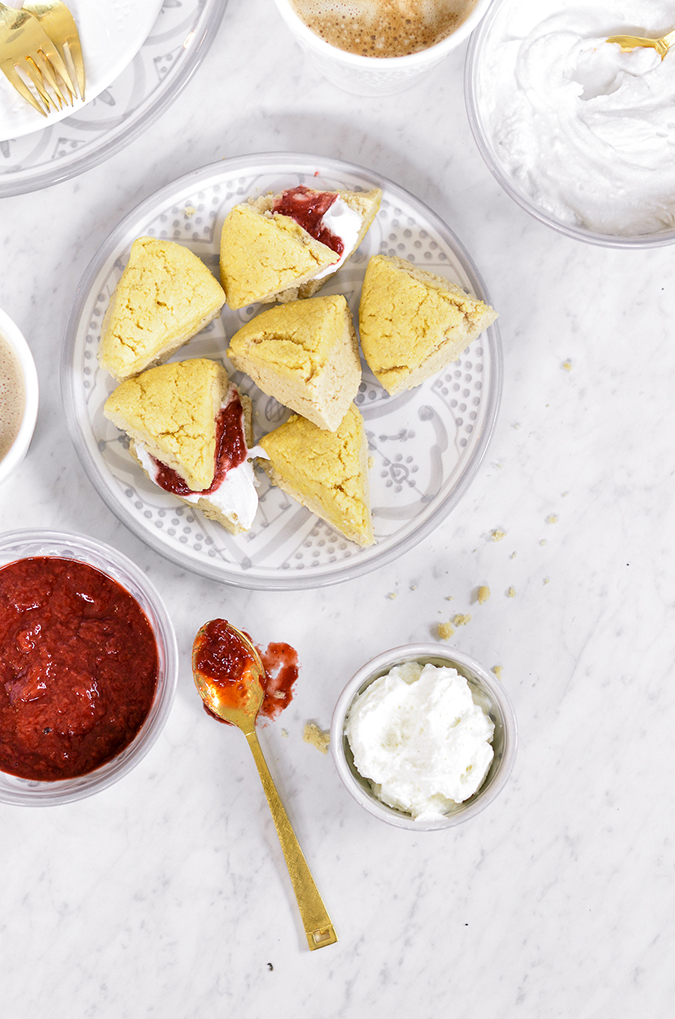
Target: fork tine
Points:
(59, 24)
(35, 75)
(47, 70)
(15, 79)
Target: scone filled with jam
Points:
(283, 247)
(165, 296)
(190, 429)
(305, 354)
(325, 471)
(414, 323)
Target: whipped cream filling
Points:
(420, 738)
(236, 497)
(584, 129)
(344, 223)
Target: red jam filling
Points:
(78, 668)
(308, 208)
(220, 655)
(230, 452)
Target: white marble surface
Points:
(167, 895)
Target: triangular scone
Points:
(188, 417)
(268, 256)
(325, 471)
(305, 354)
(165, 296)
(413, 323)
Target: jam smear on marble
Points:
(308, 208)
(230, 452)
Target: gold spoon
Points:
(631, 42)
(227, 670)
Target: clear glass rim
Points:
(471, 71)
(20, 544)
(245, 580)
(482, 677)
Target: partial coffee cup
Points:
(18, 396)
(411, 38)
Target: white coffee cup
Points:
(19, 447)
(375, 76)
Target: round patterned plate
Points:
(425, 444)
(162, 67)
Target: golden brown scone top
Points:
(172, 410)
(295, 340)
(262, 254)
(410, 318)
(165, 295)
(326, 471)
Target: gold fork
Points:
(59, 25)
(26, 47)
(631, 42)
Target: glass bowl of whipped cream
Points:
(579, 133)
(424, 737)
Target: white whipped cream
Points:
(236, 496)
(344, 223)
(585, 130)
(418, 736)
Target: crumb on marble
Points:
(567, 365)
(391, 595)
(542, 541)
(483, 594)
(450, 597)
(497, 669)
(316, 737)
(284, 733)
(445, 630)
(461, 619)
(511, 593)
(547, 580)
(497, 534)
(513, 555)
(551, 519)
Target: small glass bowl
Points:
(17, 545)
(474, 77)
(17, 451)
(486, 690)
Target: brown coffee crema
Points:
(383, 28)
(12, 396)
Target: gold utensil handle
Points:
(315, 918)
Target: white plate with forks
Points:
(111, 35)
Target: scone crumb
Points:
(284, 733)
(567, 365)
(392, 595)
(547, 580)
(497, 669)
(542, 541)
(445, 630)
(511, 593)
(190, 210)
(551, 519)
(315, 736)
(461, 620)
(497, 534)
(413, 587)
(371, 462)
(483, 594)
(450, 597)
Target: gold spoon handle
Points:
(315, 918)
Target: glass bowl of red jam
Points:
(88, 666)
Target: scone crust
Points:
(165, 296)
(414, 323)
(325, 471)
(171, 410)
(304, 354)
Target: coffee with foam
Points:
(12, 396)
(383, 28)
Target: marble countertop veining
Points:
(166, 895)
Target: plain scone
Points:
(306, 355)
(267, 257)
(171, 411)
(414, 323)
(325, 471)
(165, 296)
